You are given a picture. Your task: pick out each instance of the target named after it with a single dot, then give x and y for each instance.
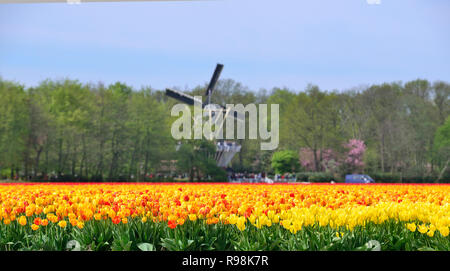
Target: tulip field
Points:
(296, 217)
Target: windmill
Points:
(225, 151)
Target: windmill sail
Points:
(214, 79)
(225, 151)
(180, 96)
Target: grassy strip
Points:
(198, 236)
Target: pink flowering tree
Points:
(350, 160)
(307, 159)
(353, 159)
(327, 159)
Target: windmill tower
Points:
(225, 150)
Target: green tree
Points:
(442, 99)
(149, 130)
(14, 126)
(313, 121)
(285, 161)
(442, 146)
(71, 113)
(69, 128)
(197, 158)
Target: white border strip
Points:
(79, 1)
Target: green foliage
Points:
(82, 132)
(312, 120)
(94, 132)
(371, 160)
(385, 177)
(199, 236)
(315, 177)
(321, 177)
(197, 158)
(216, 173)
(14, 120)
(285, 161)
(146, 247)
(442, 140)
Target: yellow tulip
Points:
(411, 227)
(22, 220)
(62, 224)
(423, 229)
(444, 231)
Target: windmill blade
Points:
(227, 111)
(214, 79)
(238, 116)
(180, 96)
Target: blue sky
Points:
(335, 44)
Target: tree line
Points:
(115, 132)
